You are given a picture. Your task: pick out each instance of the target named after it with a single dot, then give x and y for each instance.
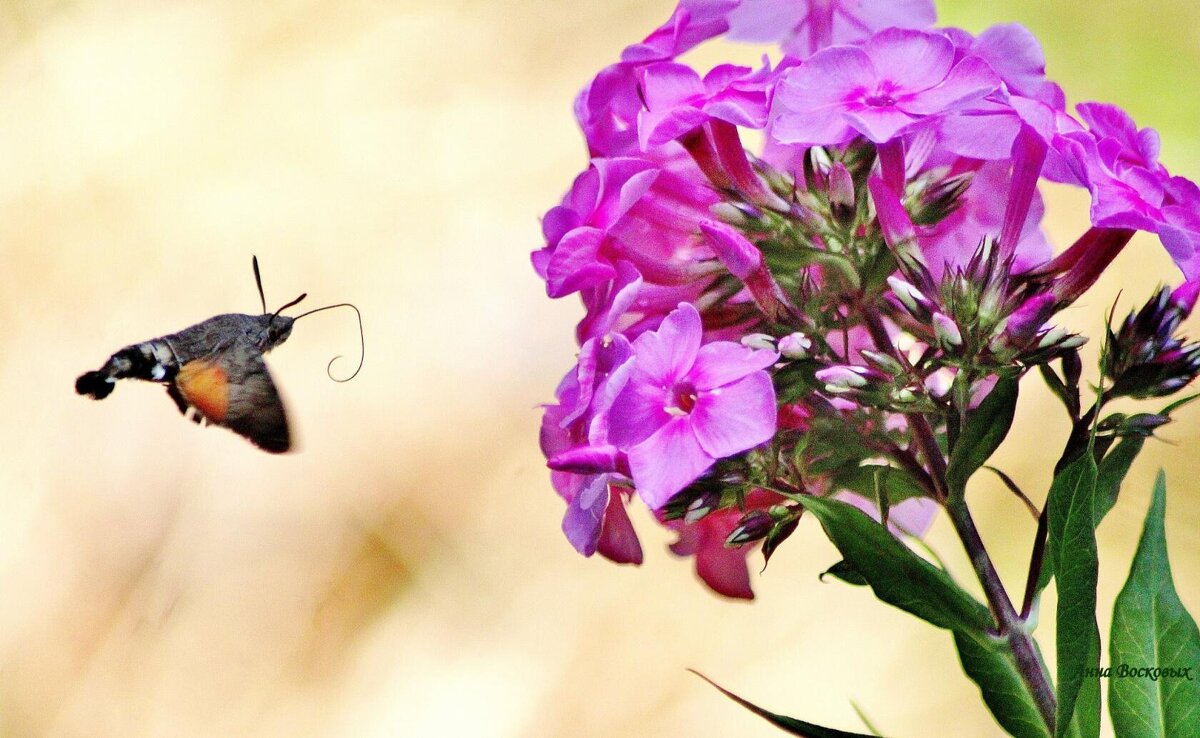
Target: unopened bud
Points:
(939, 383)
(701, 506)
(840, 379)
(759, 341)
(946, 331)
(754, 525)
(911, 298)
(841, 194)
(882, 362)
(795, 346)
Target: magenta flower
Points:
(626, 209)
(677, 100)
(574, 438)
(1130, 189)
(687, 405)
(880, 89)
(804, 27)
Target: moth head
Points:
(278, 327)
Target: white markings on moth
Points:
(158, 372)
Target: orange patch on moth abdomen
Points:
(205, 386)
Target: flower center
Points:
(681, 399)
(880, 100)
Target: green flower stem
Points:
(1010, 625)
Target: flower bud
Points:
(882, 362)
(946, 330)
(795, 346)
(839, 379)
(754, 525)
(759, 341)
(842, 205)
(704, 503)
(913, 300)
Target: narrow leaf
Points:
(897, 575)
(1112, 473)
(1072, 547)
(986, 427)
(1152, 630)
(789, 725)
(846, 573)
(994, 670)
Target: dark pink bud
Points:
(590, 460)
(1184, 296)
(735, 251)
(893, 218)
(1026, 320)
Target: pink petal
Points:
(668, 353)
(666, 462)
(736, 417)
(666, 85)
(638, 411)
(819, 126)
(576, 263)
(826, 78)
(880, 124)
(723, 362)
(618, 541)
(970, 79)
(914, 60)
(724, 570)
(581, 523)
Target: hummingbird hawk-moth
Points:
(214, 370)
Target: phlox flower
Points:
(878, 90)
(803, 27)
(686, 405)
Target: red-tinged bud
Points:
(1025, 322)
(745, 261)
(590, 460)
(1077, 269)
(897, 227)
(946, 330)
(913, 300)
(842, 204)
(1184, 296)
(840, 379)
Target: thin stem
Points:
(1011, 626)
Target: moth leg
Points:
(151, 360)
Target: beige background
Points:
(404, 573)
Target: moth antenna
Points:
(362, 341)
(285, 307)
(258, 281)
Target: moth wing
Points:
(233, 388)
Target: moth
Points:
(214, 371)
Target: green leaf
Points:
(789, 725)
(986, 427)
(1071, 547)
(896, 483)
(897, 575)
(846, 573)
(1151, 628)
(1112, 473)
(993, 668)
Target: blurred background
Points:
(404, 573)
